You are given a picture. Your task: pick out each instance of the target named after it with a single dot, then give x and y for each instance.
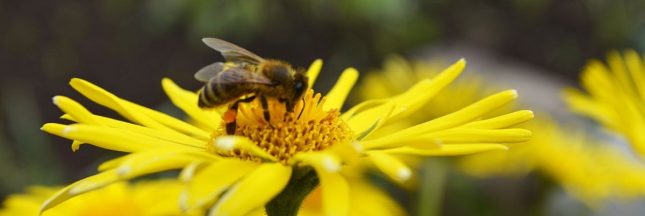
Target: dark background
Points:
(128, 46)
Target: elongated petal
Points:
(179, 138)
(337, 95)
(67, 192)
(75, 110)
(584, 105)
(152, 156)
(636, 69)
(502, 121)
(462, 116)
(83, 117)
(391, 166)
(313, 71)
(362, 106)
(229, 143)
(471, 135)
(134, 112)
(365, 119)
(449, 150)
(335, 189)
(187, 173)
(451, 136)
(110, 138)
(211, 181)
(132, 167)
(187, 101)
(413, 102)
(254, 191)
(115, 103)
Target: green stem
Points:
(431, 189)
(287, 203)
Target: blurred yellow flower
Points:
(158, 197)
(590, 170)
(398, 74)
(616, 96)
(286, 157)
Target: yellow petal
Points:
(449, 150)
(636, 69)
(115, 103)
(187, 101)
(472, 135)
(75, 110)
(585, 105)
(109, 138)
(133, 166)
(337, 95)
(503, 121)
(461, 116)
(78, 113)
(171, 137)
(209, 182)
(413, 102)
(134, 112)
(362, 106)
(313, 71)
(335, 189)
(188, 172)
(229, 143)
(391, 166)
(365, 119)
(254, 191)
(124, 163)
(67, 192)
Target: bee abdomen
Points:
(210, 96)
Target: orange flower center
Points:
(308, 128)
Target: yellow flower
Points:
(398, 74)
(269, 161)
(144, 198)
(616, 96)
(591, 171)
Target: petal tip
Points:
(226, 143)
(56, 100)
(404, 174)
(331, 164)
(514, 93)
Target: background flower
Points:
(616, 96)
(592, 170)
(150, 197)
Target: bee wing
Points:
(232, 52)
(208, 72)
(236, 75)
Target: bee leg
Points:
(229, 118)
(265, 108)
(301, 110)
(231, 115)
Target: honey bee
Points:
(246, 76)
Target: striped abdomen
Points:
(216, 93)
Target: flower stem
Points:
(431, 191)
(287, 203)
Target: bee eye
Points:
(298, 86)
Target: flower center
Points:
(308, 128)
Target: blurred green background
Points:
(128, 46)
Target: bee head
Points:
(300, 84)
